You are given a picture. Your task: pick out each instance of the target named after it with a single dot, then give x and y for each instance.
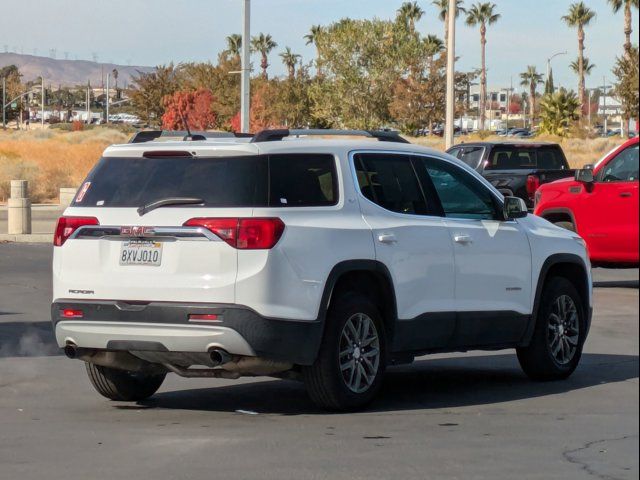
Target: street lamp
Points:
(245, 94)
(451, 60)
(549, 63)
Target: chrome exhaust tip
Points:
(219, 356)
(71, 351)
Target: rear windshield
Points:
(526, 158)
(248, 181)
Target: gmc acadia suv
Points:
(320, 259)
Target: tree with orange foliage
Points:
(194, 108)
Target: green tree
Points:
(483, 14)
(290, 61)
(264, 44)
(580, 16)
(443, 14)
(312, 39)
(149, 90)
(432, 47)
(531, 79)
(234, 44)
(408, 14)
(616, 5)
(558, 111)
(586, 66)
(549, 87)
(626, 87)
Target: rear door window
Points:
(390, 181)
(246, 181)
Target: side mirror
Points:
(514, 207)
(585, 175)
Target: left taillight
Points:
(67, 225)
(533, 183)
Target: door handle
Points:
(625, 194)
(387, 238)
(462, 239)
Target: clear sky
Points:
(152, 32)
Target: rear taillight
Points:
(533, 183)
(243, 233)
(71, 313)
(67, 225)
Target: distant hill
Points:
(68, 72)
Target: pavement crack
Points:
(584, 465)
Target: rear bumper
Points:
(165, 326)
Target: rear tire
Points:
(348, 371)
(556, 346)
(566, 225)
(121, 385)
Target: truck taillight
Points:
(243, 233)
(67, 225)
(533, 183)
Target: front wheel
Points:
(120, 385)
(348, 371)
(559, 335)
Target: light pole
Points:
(451, 69)
(245, 94)
(4, 100)
(549, 63)
(42, 98)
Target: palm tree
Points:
(616, 5)
(587, 66)
(312, 38)
(264, 44)
(531, 78)
(290, 60)
(580, 16)
(432, 46)
(483, 14)
(234, 44)
(410, 13)
(557, 112)
(443, 7)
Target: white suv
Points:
(300, 257)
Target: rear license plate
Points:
(141, 252)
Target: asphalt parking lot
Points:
(447, 416)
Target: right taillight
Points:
(67, 225)
(243, 233)
(533, 183)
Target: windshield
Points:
(248, 181)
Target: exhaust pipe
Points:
(219, 356)
(71, 351)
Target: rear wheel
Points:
(348, 371)
(121, 385)
(558, 338)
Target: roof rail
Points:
(277, 135)
(151, 135)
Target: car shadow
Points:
(426, 384)
(617, 284)
(27, 339)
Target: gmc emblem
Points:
(136, 231)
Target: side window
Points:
(302, 180)
(461, 195)
(472, 156)
(455, 152)
(389, 180)
(622, 168)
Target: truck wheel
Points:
(566, 225)
(347, 373)
(123, 386)
(558, 338)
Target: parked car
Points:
(515, 168)
(320, 260)
(600, 204)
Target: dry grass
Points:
(50, 159)
(578, 151)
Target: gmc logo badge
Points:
(136, 231)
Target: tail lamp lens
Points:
(243, 233)
(67, 225)
(71, 313)
(533, 183)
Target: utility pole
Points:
(604, 104)
(245, 94)
(4, 102)
(107, 97)
(42, 94)
(590, 95)
(451, 72)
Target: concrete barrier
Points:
(66, 196)
(19, 209)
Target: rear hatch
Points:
(109, 249)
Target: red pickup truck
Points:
(601, 205)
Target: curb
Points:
(29, 238)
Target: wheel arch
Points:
(554, 215)
(569, 266)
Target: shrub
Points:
(77, 126)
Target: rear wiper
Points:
(168, 201)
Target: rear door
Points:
(412, 240)
(492, 257)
